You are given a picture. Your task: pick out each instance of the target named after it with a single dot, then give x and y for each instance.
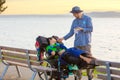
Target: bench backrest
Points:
(18, 56)
(108, 70)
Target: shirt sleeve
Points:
(89, 26)
(71, 32)
(63, 46)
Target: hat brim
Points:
(76, 11)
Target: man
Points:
(82, 28)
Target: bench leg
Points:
(40, 75)
(108, 71)
(90, 74)
(4, 72)
(18, 71)
(46, 76)
(33, 76)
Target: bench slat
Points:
(104, 77)
(16, 55)
(13, 49)
(22, 61)
(101, 70)
(112, 64)
(23, 64)
(39, 68)
(18, 49)
(19, 55)
(113, 71)
(15, 60)
(17, 64)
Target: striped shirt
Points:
(82, 38)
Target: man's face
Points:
(77, 15)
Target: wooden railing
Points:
(108, 70)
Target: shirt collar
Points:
(81, 17)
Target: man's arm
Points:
(89, 27)
(71, 32)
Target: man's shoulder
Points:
(86, 16)
(74, 20)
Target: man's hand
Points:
(79, 29)
(60, 39)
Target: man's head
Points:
(77, 12)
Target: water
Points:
(21, 31)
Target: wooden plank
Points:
(18, 50)
(100, 62)
(115, 64)
(112, 64)
(14, 60)
(19, 55)
(13, 49)
(21, 61)
(104, 77)
(16, 55)
(112, 71)
(17, 64)
(33, 58)
(32, 51)
(35, 63)
(101, 70)
(39, 68)
(23, 64)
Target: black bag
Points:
(42, 41)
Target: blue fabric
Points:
(72, 51)
(62, 46)
(49, 51)
(82, 38)
(59, 45)
(62, 62)
(75, 52)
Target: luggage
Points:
(41, 44)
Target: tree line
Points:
(2, 8)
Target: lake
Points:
(21, 31)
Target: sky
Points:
(59, 6)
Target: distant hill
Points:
(109, 14)
(104, 14)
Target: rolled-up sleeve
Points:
(71, 32)
(89, 26)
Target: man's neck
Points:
(80, 16)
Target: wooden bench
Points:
(108, 70)
(24, 58)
